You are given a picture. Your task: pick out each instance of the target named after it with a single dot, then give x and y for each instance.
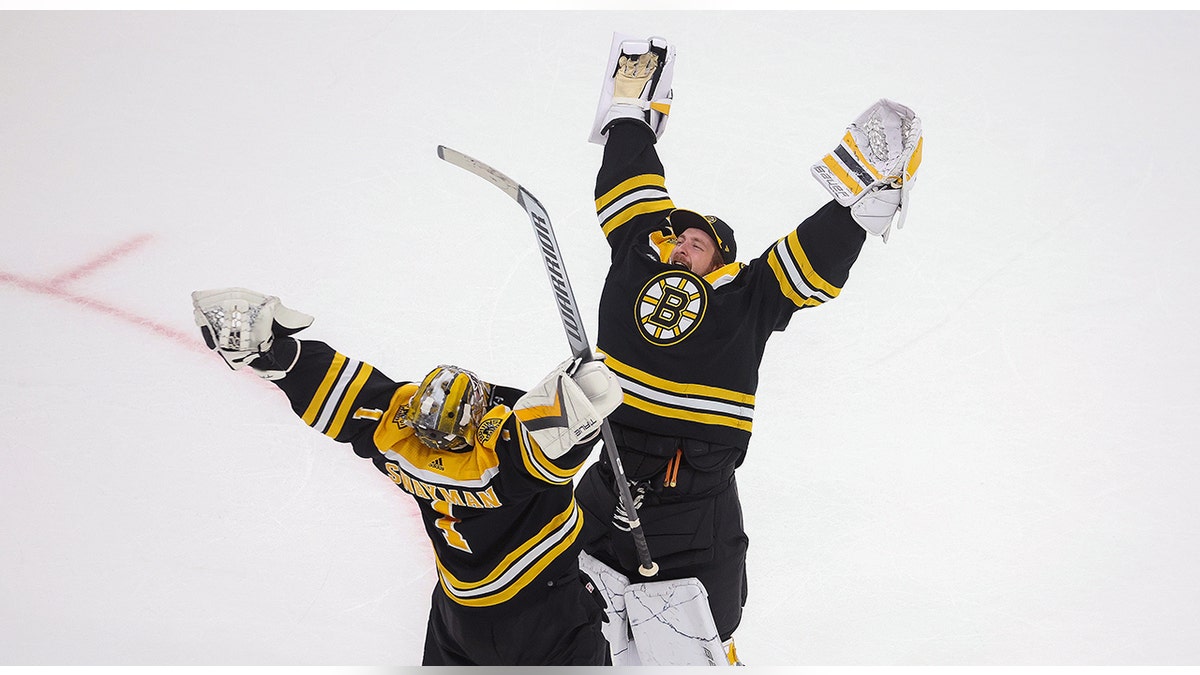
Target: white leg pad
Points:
(657, 623)
(673, 625)
(612, 585)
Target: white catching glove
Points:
(568, 406)
(242, 325)
(874, 166)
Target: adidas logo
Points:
(437, 464)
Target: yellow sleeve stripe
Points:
(785, 273)
(348, 400)
(810, 274)
(636, 210)
(644, 180)
(538, 465)
(314, 407)
(785, 286)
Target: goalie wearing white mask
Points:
(684, 326)
(491, 468)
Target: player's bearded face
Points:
(695, 250)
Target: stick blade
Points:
(465, 161)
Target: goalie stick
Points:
(568, 311)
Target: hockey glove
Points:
(637, 86)
(560, 413)
(874, 166)
(243, 327)
(599, 384)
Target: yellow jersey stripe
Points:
(785, 285)
(524, 562)
(314, 407)
(634, 211)
(678, 387)
(516, 554)
(343, 411)
(525, 579)
(643, 180)
(687, 415)
(538, 465)
(810, 275)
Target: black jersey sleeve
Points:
(337, 395)
(631, 193)
(808, 266)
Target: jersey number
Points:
(446, 524)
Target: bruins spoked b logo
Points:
(670, 307)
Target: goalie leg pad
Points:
(637, 84)
(612, 585)
(672, 624)
(662, 623)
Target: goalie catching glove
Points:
(569, 405)
(873, 168)
(243, 327)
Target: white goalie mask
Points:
(447, 408)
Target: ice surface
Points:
(984, 452)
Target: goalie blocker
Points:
(637, 84)
(567, 407)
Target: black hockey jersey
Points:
(687, 349)
(502, 517)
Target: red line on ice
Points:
(100, 261)
(54, 288)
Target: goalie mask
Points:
(447, 408)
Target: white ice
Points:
(984, 452)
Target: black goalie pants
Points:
(559, 625)
(691, 535)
